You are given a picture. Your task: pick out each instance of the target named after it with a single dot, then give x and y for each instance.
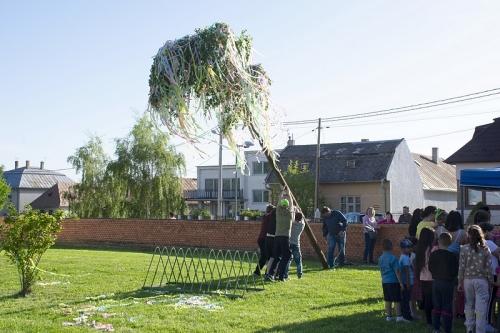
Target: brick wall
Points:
(147, 234)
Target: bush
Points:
(203, 212)
(256, 213)
(251, 213)
(25, 237)
(246, 212)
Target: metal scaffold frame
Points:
(204, 271)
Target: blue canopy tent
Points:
(487, 179)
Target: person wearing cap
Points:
(284, 218)
(406, 267)
(334, 226)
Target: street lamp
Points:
(245, 145)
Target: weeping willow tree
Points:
(148, 169)
(210, 75)
(144, 180)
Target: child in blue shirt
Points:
(406, 268)
(391, 281)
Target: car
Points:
(358, 217)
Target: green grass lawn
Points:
(345, 300)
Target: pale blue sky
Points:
(68, 68)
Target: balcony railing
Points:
(211, 194)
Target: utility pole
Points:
(316, 183)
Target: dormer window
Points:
(351, 164)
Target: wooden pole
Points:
(281, 180)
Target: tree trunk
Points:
(281, 180)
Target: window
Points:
(211, 184)
(228, 184)
(261, 168)
(304, 166)
(260, 196)
(488, 198)
(350, 205)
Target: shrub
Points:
(25, 237)
(198, 211)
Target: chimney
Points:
(16, 165)
(27, 164)
(291, 141)
(435, 155)
(42, 164)
(365, 140)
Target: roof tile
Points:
(371, 160)
(434, 176)
(33, 177)
(483, 147)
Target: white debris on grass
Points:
(82, 320)
(95, 298)
(54, 283)
(197, 302)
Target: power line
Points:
(408, 120)
(400, 109)
(431, 136)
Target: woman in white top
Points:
(369, 225)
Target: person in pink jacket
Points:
(388, 219)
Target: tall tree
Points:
(4, 189)
(91, 197)
(150, 169)
(144, 181)
(301, 182)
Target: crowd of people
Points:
(446, 269)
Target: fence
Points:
(224, 235)
(203, 271)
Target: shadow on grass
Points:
(365, 301)
(16, 295)
(101, 249)
(372, 322)
(367, 322)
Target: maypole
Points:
(209, 74)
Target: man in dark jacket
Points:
(334, 226)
